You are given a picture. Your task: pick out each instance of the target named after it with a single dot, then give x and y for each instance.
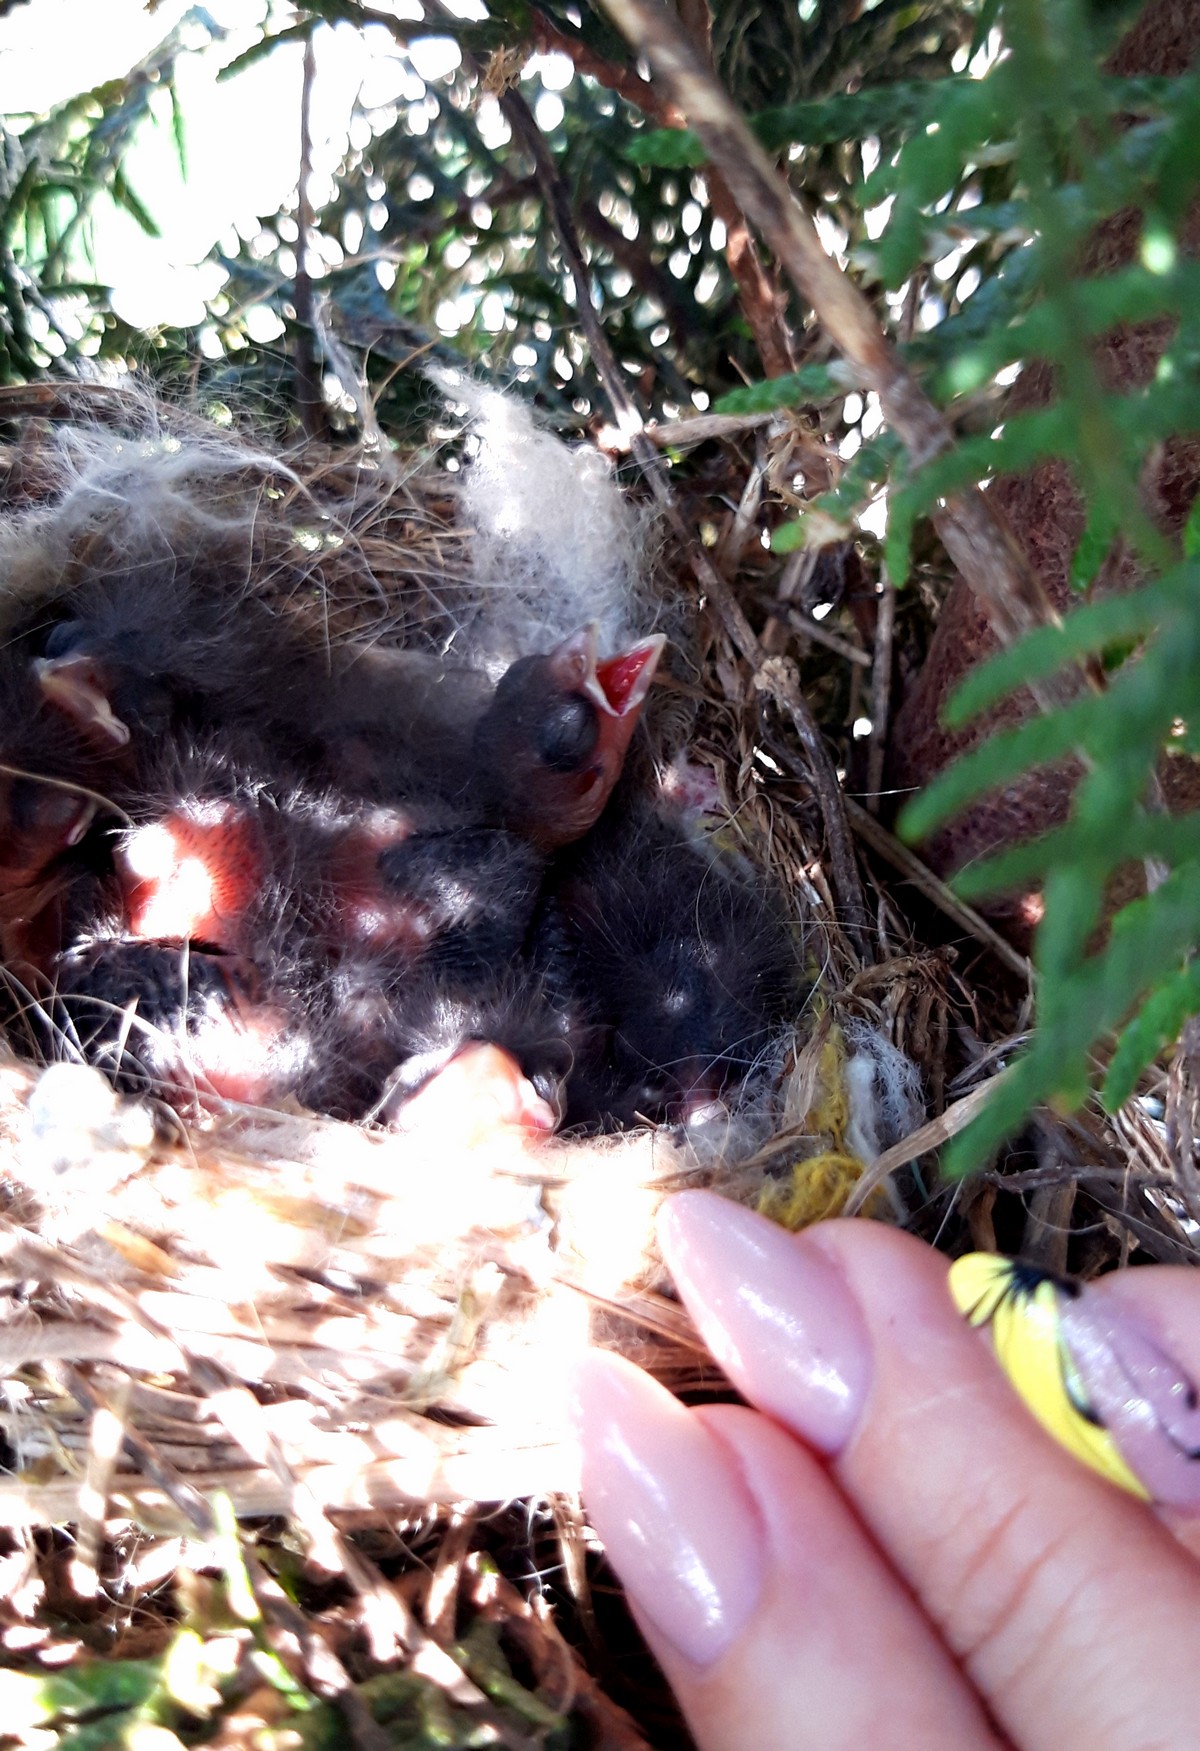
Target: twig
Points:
(807, 627)
(881, 690)
(625, 81)
(761, 300)
(700, 429)
(759, 294)
(777, 678)
(309, 399)
(923, 878)
(647, 276)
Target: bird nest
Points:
(223, 1313)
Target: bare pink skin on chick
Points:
(365, 912)
(194, 875)
(481, 1093)
(248, 1055)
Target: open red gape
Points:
(625, 679)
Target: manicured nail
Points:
(1094, 1373)
(1144, 1398)
(671, 1507)
(774, 1311)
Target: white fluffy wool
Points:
(159, 490)
(554, 543)
(884, 1089)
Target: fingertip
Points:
(774, 1311)
(669, 1504)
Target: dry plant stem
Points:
(532, 1628)
(923, 878)
(978, 541)
(881, 690)
(705, 428)
(1048, 1225)
(390, 1617)
(310, 400)
(807, 627)
(920, 1142)
(1182, 1106)
(777, 677)
(197, 1513)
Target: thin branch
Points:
(647, 276)
(881, 689)
(625, 81)
(310, 400)
(945, 899)
(778, 679)
(760, 299)
(807, 627)
(773, 677)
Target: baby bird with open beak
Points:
(550, 746)
(537, 754)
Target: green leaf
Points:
(666, 149)
(882, 109)
(1191, 532)
(1095, 544)
(897, 541)
(1157, 1026)
(813, 383)
(30, 1699)
(1087, 629)
(1169, 838)
(1148, 940)
(179, 131)
(124, 196)
(966, 114)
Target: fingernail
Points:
(670, 1506)
(1094, 1372)
(774, 1311)
(1139, 1393)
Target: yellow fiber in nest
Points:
(818, 1185)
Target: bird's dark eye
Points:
(65, 638)
(567, 734)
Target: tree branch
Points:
(625, 81)
(310, 400)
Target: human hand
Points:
(888, 1550)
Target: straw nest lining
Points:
(316, 1316)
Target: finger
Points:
(1070, 1606)
(773, 1617)
(1134, 1337)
